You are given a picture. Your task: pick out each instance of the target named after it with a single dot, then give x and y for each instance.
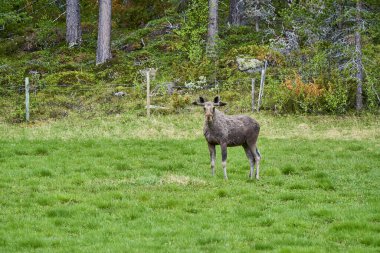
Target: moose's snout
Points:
(209, 117)
(209, 113)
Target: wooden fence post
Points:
(148, 93)
(261, 92)
(27, 99)
(253, 94)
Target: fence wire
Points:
(48, 99)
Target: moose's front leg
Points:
(211, 148)
(223, 146)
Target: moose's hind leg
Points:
(257, 158)
(224, 159)
(250, 158)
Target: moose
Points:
(229, 131)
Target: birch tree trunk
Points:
(73, 27)
(212, 28)
(103, 51)
(358, 60)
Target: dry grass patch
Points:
(181, 180)
(190, 126)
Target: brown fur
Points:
(230, 131)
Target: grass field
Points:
(129, 184)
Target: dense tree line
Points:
(327, 43)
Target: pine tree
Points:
(73, 27)
(358, 57)
(212, 33)
(103, 52)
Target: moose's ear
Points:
(217, 101)
(200, 102)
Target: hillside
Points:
(304, 74)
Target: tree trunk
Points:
(236, 12)
(103, 51)
(257, 18)
(73, 27)
(212, 28)
(358, 56)
(257, 25)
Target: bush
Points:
(11, 46)
(179, 101)
(259, 52)
(193, 29)
(336, 98)
(294, 95)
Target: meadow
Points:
(131, 184)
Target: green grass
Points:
(65, 190)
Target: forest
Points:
(322, 56)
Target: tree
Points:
(358, 57)
(212, 33)
(259, 11)
(73, 27)
(236, 12)
(348, 40)
(103, 51)
(335, 29)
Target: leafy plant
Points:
(193, 30)
(336, 98)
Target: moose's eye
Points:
(204, 108)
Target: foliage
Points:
(308, 44)
(257, 11)
(336, 98)
(193, 29)
(237, 35)
(179, 101)
(71, 79)
(372, 86)
(137, 13)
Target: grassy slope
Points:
(103, 185)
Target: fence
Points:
(24, 102)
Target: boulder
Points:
(248, 64)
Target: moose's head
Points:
(209, 107)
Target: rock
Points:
(119, 94)
(250, 65)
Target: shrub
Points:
(336, 98)
(193, 29)
(179, 101)
(307, 96)
(259, 52)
